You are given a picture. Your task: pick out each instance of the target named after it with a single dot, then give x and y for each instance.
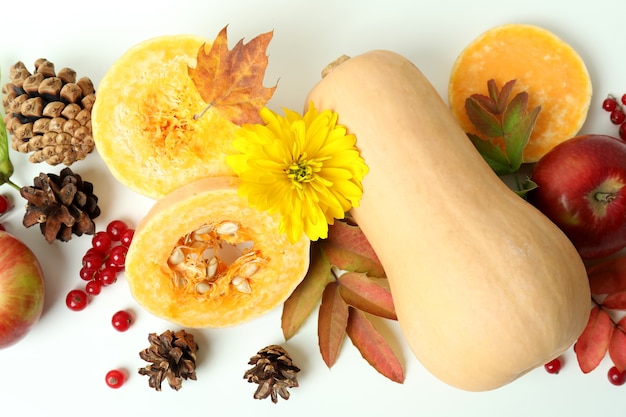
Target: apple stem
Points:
(604, 197)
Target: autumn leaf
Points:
(348, 249)
(503, 129)
(609, 276)
(593, 343)
(615, 301)
(617, 345)
(331, 324)
(307, 294)
(231, 81)
(373, 346)
(362, 292)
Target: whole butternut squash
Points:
(485, 287)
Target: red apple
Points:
(21, 289)
(582, 189)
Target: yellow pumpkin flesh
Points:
(143, 120)
(202, 257)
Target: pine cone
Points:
(48, 113)
(274, 372)
(62, 205)
(172, 356)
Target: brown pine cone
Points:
(62, 205)
(48, 114)
(274, 371)
(172, 356)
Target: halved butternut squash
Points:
(143, 120)
(202, 257)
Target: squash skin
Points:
(213, 199)
(485, 287)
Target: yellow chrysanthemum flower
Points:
(306, 168)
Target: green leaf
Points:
(500, 97)
(517, 126)
(485, 122)
(494, 156)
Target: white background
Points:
(60, 366)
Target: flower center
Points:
(302, 170)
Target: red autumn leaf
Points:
(373, 346)
(608, 277)
(593, 343)
(348, 249)
(615, 301)
(331, 324)
(231, 81)
(617, 345)
(366, 294)
(307, 294)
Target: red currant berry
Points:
(623, 99)
(618, 117)
(115, 378)
(76, 300)
(108, 275)
(93, 287)
(87, 274)
(609, 104)
(554, 366)
(616, 376)
(2, 227)
(101, 242)
(5, 204)
(121, 320)
(115, 229)
(126, 237)
(92, 261)
(622, 131)
(117, 256)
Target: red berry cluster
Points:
(618, 115)
(102, 263)
(616, 377)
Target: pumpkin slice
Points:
(550, 70)
(143, 119)
(202, 257)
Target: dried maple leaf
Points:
(231, 81)
(366, 294)
(593, 343)
(331, 323)
(373, 346)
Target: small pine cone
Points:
(172, 356)
(274, 371)
(46, 102)
(62, 205)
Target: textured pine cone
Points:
(172, 356)
(62, 205)
(48, 113)
(274, 371)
